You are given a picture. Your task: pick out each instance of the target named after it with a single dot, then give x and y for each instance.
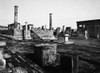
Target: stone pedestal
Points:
(66, 37)
(47, 54)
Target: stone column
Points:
(15, 16)
(26, 30)
(50, 25)
(63, 28)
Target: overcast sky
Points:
(65, 12)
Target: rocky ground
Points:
(88, 52)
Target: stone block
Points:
(17, 34)
(48, 54)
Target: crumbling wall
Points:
(17, 34)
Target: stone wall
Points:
(18, 34)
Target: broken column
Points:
(50, 25)
(26, 27)
(63, 28)
(15, 16)
(27, 33)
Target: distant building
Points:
(89, 28)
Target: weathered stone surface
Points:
(48, 53)
(2, 64)
(19, 70)
(86, 67)
(17, 34)
(45, 34)
(2, 43)
(21, 47)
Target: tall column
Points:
(50, 25)
(15, 15)
(63, 28)
(26, 30)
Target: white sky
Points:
(65, 12)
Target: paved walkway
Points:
(86, 42)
